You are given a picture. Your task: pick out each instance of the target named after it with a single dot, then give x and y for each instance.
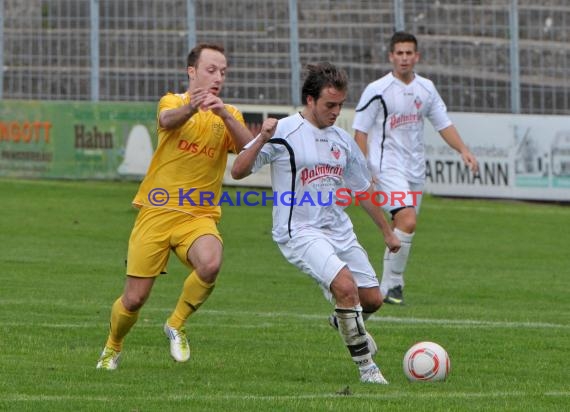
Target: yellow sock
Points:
(122, 321)
(194, 292)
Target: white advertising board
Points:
(520, 157)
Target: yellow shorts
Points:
(156, 232)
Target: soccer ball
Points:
(426, 362)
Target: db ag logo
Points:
(158, 197)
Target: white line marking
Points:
(451, 323)
(393, 319)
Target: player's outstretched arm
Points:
(377, 215)
(244, 161)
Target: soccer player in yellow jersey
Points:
(177, 201)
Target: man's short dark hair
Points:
(320, 76)
(195, 53)
(402, 37)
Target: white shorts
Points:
(396, 192)
(322, 258)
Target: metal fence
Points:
(504, 56)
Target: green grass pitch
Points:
(488, 280)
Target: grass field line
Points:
(454, 323)
(394, 319)
(249, 397)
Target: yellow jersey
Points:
(187, 168)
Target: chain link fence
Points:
(482, 56)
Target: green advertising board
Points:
(76, 140)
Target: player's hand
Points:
(392, 242)
(268, 129)
(213, 103)
(470, 160)
(197, 99)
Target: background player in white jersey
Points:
(313, 159)
(389, 123)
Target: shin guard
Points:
(353, 333)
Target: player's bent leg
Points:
(124, 315)
(344, 289)
(371, 301)
(353, 333)
(194, 293)
(348, 313)
(205, 255)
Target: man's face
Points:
(209, 72)
(404, 58)
(326, 109)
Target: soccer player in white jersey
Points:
(313, 164)
(388, 124)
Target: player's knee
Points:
(372, 305)
(345, 295)
(405, 219)
(208, 271)
(133, 302)
(407, 225)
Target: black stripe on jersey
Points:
(378, 96)
(293, 174)
(385, 109)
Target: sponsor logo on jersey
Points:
(403, 119)
(196, 149)
(319, 172)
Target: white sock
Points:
(395, 263)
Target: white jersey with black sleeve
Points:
(316, 166)
(392, 114)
